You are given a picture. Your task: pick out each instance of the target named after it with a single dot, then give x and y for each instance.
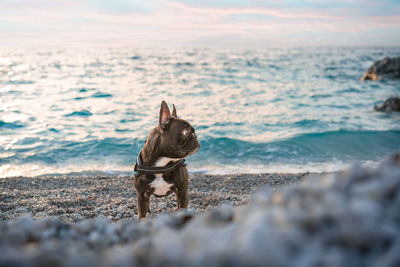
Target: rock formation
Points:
(387, 68)
(391, 104)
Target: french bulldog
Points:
(160, 164)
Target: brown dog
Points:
(160, 168)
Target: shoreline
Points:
(228, 170)
(76, 198)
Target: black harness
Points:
(140, 169)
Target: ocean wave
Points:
(302, 151)
(81, 113)
(101, 95)
(11, 125)
(304, 148)
(136, 57)
(17, 82)
(184, 64)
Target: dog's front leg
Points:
(182, 197)
(143, 204)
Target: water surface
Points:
(289, 110)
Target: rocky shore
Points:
(345, 219)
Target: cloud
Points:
(166, 23)
(274, 12)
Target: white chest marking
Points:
(160, 186)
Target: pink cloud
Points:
(257, 10)
(171, 23)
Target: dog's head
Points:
(177, 137)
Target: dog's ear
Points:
(165, 116)
(174, 112)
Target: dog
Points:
(160, 166)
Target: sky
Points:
(168, 23)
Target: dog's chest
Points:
(161, 187)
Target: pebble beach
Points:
(75, 198)
(349, 218)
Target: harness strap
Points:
(139, 168)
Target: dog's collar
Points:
(139, 168)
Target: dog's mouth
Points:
(189, 138)
(191, 145)
(195, 150)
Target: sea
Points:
(261, 110)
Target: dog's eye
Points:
(185, 132)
